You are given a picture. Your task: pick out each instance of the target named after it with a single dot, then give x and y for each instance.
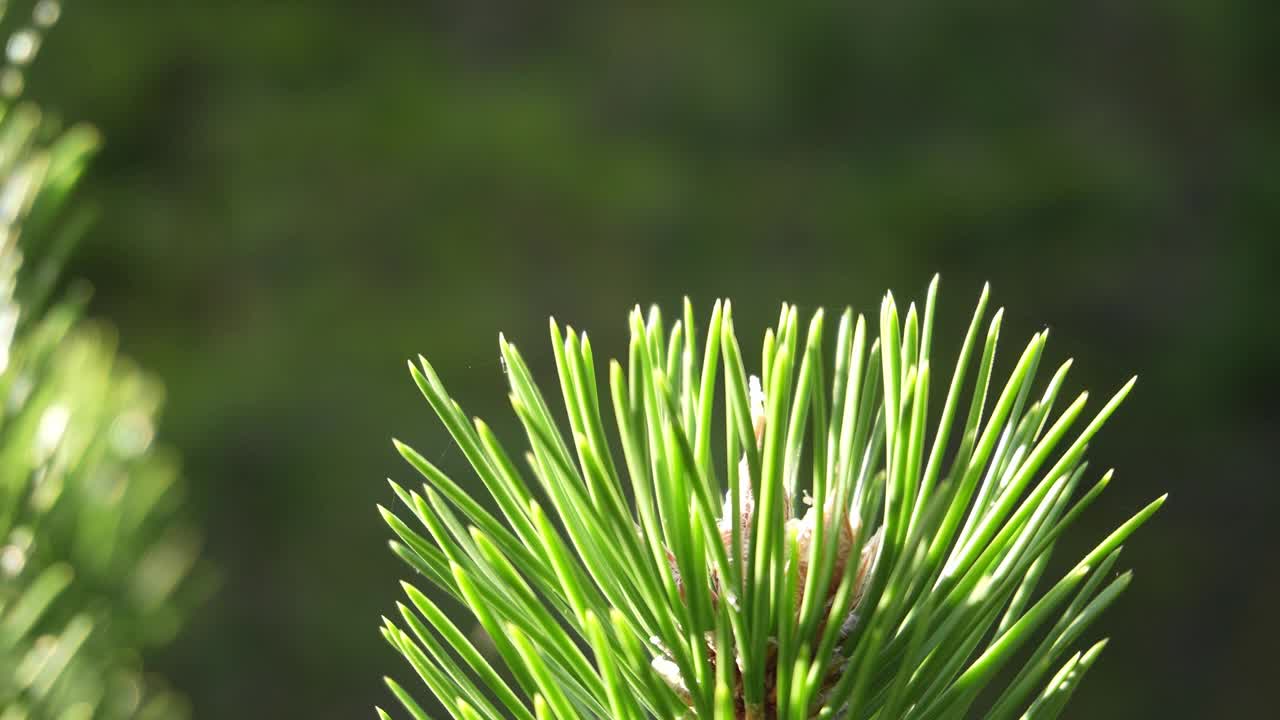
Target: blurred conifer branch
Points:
(96, 563)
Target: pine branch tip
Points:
(664, 451)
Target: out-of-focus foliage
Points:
(94, 559)
(299, 194)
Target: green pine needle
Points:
(853, 553)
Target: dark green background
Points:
(296, 197)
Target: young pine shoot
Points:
(820, 540)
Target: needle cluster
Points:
(823, 542)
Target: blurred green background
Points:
(297, 197)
